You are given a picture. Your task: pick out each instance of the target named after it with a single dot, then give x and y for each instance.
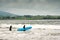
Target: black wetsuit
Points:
(24, 27)
(10, 29)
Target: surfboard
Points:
(26, 28)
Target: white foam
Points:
(33, 26)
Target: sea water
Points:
(39, 31)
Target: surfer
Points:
(24, 27)
(10, 29)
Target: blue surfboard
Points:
(26, 28)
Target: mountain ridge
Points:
(2, 13)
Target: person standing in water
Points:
(24, 27)
(10, 29)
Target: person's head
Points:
(24, 25)
(10, 25)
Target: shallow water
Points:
(42, 30)
(53, 22)
(33, 34)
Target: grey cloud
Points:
(51, 6)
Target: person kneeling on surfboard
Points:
(24, 27)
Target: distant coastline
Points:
(28, 17)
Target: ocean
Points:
(41, 30)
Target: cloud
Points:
(43, 6)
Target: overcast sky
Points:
(31, 7)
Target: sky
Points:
(31, 7)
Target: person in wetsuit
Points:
(24, 27)
(10, 29)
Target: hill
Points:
(2, 13)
